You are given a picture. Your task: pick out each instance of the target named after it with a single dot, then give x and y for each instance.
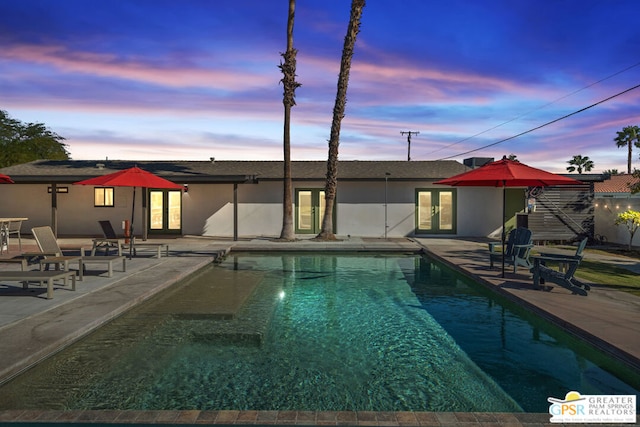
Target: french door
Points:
(165, 211)
(310, 205)
(435, 211)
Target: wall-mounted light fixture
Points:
(185, 187)
(59, 189)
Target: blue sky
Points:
(194, 79)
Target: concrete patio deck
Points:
(35, 327)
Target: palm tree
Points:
(288, 69)
(326, 232)
(579, 163)
(627, 137)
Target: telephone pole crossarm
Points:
(409, 133)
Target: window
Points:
(103, 196)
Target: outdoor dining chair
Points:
(14, 228)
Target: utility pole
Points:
(409, 133)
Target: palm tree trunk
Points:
(326, 232)
(288, 69)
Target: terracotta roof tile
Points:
(616, 184)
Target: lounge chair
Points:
(517, 249)
(52, 254)
(111, 240)
(39, 276)
(564, 275)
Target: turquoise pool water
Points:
(322, 332)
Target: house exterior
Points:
(244, 198)
(612, 197)
(237, 199)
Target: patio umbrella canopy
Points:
(4, 179)
(506, 173)
(132, 177)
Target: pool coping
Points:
(311, 418)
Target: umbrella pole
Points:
(133, 207)
(504, 210)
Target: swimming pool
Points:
(322, 332)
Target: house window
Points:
(435, 211)
(103, 196)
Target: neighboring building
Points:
(563, 212)
(612, 197)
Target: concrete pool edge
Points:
(37, 337)
(312, 418)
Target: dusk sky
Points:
(194, 79)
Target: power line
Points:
(545, 124)
(536, 109)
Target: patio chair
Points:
(52, 254)
(14, 228)
(109, 241)
(517, 249)
(564, 275)
(50, 251)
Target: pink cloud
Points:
(108, 65)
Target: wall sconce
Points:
(186, 188)
(58, 190)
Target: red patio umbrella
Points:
(132, 177)
(506, 173)
(4, 179)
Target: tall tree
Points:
(326, 232)
(627, 137)
(580, 164)
(22, 143)
(288, 69)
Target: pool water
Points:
(322, 332)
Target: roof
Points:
(69, 171)
(616, 184)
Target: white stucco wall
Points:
(208, 209)
(76, 213)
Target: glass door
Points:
(435, 211)
(165, 211)
(310, 206)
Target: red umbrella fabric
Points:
(507, 173)
(4, 179)
(132, 177)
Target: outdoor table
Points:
(4, 232)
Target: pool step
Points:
(209, 296)
(229, 337)
(249, 325)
